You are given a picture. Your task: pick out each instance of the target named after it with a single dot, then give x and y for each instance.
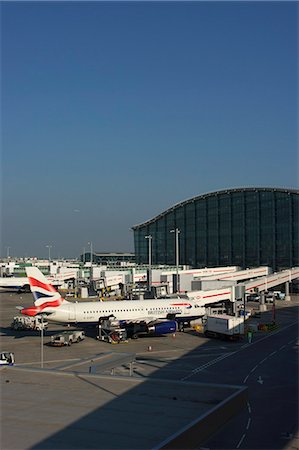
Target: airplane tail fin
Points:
(45, 295)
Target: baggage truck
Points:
(67, 338)
(224, 326)
(23, 323)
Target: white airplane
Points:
(14, 284)
(160, 316)
(21, 284)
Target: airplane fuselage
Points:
(127, 310)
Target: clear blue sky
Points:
(113, 112)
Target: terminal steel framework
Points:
(245, 227)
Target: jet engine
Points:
(169, 326)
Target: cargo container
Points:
(224, 326)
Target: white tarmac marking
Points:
(47, 362)
(263, 360)
(226, 355)
(205, 366)
(241, 440)
(260, 378)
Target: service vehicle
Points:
(247, 312)
(67, 338)
(224, 326)
(7, 359)
(21, 323)
(110, 330)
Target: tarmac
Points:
(48, 409)
(67, 398)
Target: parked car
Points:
(275, 295)
(278, 295)
(253, 298)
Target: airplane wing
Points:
(146, 320)
(142, 320)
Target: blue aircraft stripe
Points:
(38, 295)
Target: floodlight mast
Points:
(91, 261)
(177, 258)
(49, 248)
(149, 280)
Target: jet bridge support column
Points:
(287, 291)
(263, 306)
(238, 293)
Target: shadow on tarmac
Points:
(88, 432)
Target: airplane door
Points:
(72, 312)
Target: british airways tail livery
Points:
(157, 314)
(46, 298)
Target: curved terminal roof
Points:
(215, 193)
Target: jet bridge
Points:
(270, 281)
(265, 283)
(241, 274)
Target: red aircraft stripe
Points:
(215, 295)
(180, 304)
(33, 310)
(51, 304)
(37, 283)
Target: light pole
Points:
(42, 342)
(149, 277)
(7, 252)
(91, 260)
(49, 248)
(177, 232)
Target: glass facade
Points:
(244, 227)
(108, 258)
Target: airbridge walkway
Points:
(260, 284)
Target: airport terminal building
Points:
(246, 227)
